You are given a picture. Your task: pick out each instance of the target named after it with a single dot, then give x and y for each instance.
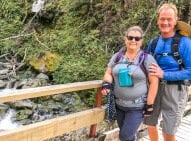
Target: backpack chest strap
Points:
(163, 54)
(174, 48)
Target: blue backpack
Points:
(175, 53)
(174, 47)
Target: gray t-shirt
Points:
(134, 96)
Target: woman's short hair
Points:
(134, 28)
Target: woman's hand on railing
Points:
(106, 87)
(105, 92)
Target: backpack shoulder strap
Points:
(154, 44)
(119, 55)
(142, 66)
(142, 58)
(175, 53)
(174, 47)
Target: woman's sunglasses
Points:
(130, 38)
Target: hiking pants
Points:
(129, 122)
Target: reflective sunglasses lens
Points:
(130, 38)
(138, 38)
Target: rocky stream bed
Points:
(23, 112)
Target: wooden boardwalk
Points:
(183, 134)
(184, 131)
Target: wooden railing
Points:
(58, 126)
(54, 127)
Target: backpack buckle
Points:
(165, 54)
(180, 61)
(176, 54)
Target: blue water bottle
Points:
(125, 80)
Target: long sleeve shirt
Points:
(168, 64)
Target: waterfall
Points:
(6, 123)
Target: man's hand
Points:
(155, 70)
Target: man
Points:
(172, 94)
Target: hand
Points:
(155, 70)
(106, 87)
(105, 91)
(148, 109)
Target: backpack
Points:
(111, 113)
(174, 48)
(175, 53)
(182, 29)
(140, 62)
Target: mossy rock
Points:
(46, 62)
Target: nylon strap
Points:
(174, 47)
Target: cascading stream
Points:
(6, 123)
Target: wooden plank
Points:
(54, 127)
(14, 95)
(112, 135)
(187, 118)
(186, 126)
(183, 133)
(185, 129)
(188, 106)
(186, 122)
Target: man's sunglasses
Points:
(130, 38)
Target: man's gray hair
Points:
(170, 6)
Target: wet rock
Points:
(10, 83)
(5, 65)
(2, 84)
(20, 84)
(42, 76)
(58, 97)
(4, 71)
(23, 104)
(25, 121)
(23, 114)
(32, 83)
(3, 109)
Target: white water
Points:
(6, 90)
(6, 123)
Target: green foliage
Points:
(84, 33)
(10, 18)
(89, 97)
(78, 68)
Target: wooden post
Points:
(98, 104)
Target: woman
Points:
(134, 98)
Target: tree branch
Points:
(17, 36)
